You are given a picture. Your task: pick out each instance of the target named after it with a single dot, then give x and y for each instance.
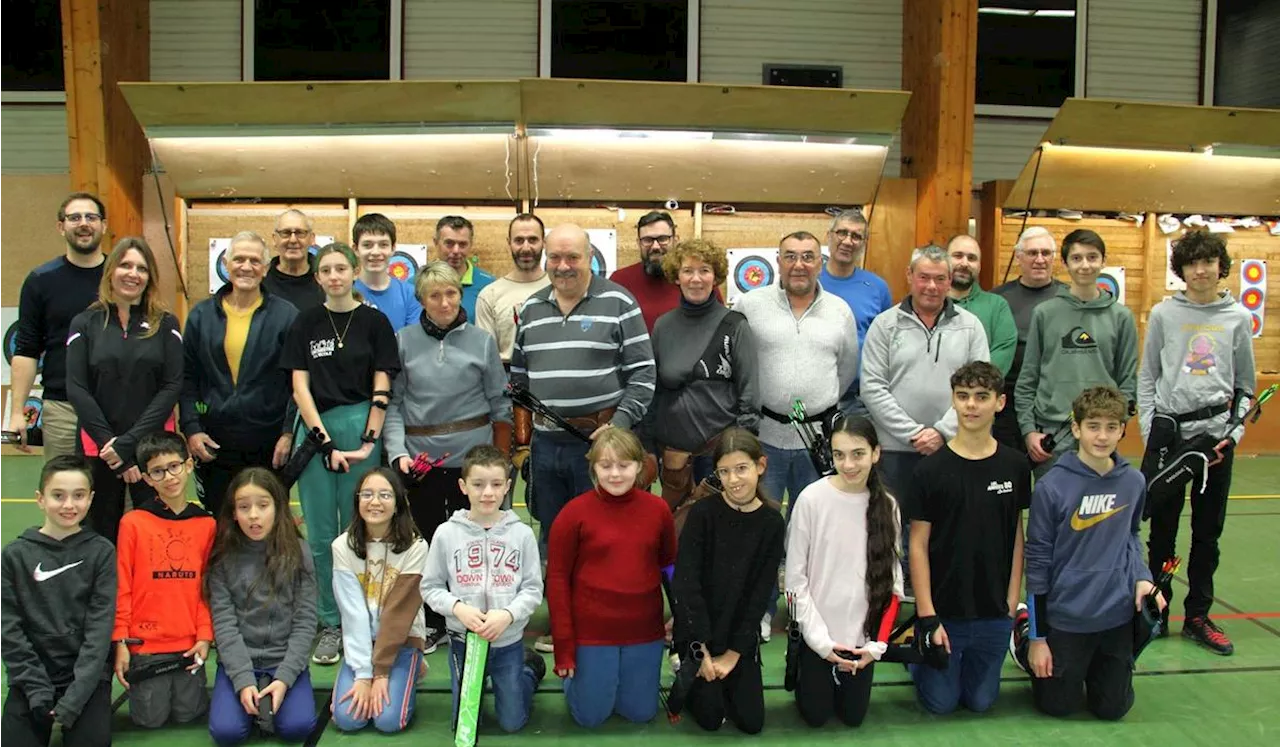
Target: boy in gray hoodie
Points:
(1198, 352)
(1085, 574)
(484, 575)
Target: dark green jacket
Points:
(997, 321)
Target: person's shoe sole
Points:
(325, 660)
(544, 648)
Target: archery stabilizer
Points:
(814, 437)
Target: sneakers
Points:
(433, 640)
(1204, 631)
(1018, 637)
(766, 628)
(534, 661)
(328, 647)
(544, 645)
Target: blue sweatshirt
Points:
(1082, 551)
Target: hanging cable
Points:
(1031, 190)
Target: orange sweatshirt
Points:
(161, 559)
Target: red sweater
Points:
(656, 296)
(161, 560)
(604, 584)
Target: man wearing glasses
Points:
(291, 275)
(1036, 253)
(866, 292)
(51, 296)
(656, 234)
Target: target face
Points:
(221, 267)
(598, 265)
(753, 272)
(1255, 324)
(403, 267)
(1252, 299)
(11, 346)
(1252, 272)
(32, 411)
(1109, 284)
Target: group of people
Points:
(936, 413)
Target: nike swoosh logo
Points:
(42, 575)
(1080, 524)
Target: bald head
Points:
(569, 260)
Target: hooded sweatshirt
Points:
(1083, 555)
(257, 627)
(59, 600)
(161, 566)
(1195, 356)
(1074, 345)
(906, 368)
(490, 569)
(380, 601)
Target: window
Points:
(1244, 50)
(33, 46)
(1026, 52)
(646, 40)
(323, 40)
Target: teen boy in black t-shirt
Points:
(966, 544)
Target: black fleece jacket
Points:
(59, 603)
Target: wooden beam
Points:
(182, 305)
(105, 42)
(939, 54)
(990, 219)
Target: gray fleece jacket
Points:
(906, 370)
(1195, 355)
(255, 628)
(443, 381)
(489, 569)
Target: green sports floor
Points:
(1184, 694)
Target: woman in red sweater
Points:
(606, 553)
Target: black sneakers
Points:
(534, 661)
(1204, 631)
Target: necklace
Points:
(335, 327)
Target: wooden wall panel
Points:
(30, 227)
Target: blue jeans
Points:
(972, 679)
(560, 473)
(402, 688)
(511, 682)
(788, 470)
(615, 679)
(230, 724)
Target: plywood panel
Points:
(1128, 124)
(29, 230)
(891, 235)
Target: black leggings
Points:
(108, 505)
(1096, 668)
(822, 691)
(738, 697)
(432, 502)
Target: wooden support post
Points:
(353, 207)
(105, 42)
(1155, 260)
(990, 221)
(697, 220)
(939, 67)
(183, 305)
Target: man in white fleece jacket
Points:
(908, 357)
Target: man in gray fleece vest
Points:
(909, 355)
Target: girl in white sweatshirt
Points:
(844, 578)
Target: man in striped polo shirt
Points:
(581, 347)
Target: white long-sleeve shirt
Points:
(827, 566)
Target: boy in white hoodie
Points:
(484, 575)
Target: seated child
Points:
(607, 550)
(378, 565)
(161, 614)
(59, 601)
(484, 576)
(1086, 574)
(261, 585)
(726, 570)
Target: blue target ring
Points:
(1110, 285)
(598, 265)
(34, 412)
(402, 267)
(753, 272)
(221, 267)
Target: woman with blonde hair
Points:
(449, 398)
(124, 373)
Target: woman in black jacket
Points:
(124, 372)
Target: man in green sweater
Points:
(1078, 339)
(992, 310)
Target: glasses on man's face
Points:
(382, 496)
(175, 470)
(807, 258)
(90, 218)
(845, 234)
(738, 470)
(649, 241)
(286, 233)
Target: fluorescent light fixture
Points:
(1055, 14)
(587, 134)
(997, 11)
(598, 135)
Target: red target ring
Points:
(1253, 272)
(1252, 299)
(1255, 323)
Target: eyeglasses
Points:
(1044, 253)
(739, 471)
(175, 470)
(648, 241)
(844, 234)
(90, 218)
(383, 496)
(285, 233)
(807, 258)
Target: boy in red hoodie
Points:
(161, 613)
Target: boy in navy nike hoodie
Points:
(1085, 570)
(59, 601)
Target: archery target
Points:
(1111, 280)
(598, 264)
(753, 272)
(10, 343)
(402, 266)
(1253, 292)
(220, 266)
